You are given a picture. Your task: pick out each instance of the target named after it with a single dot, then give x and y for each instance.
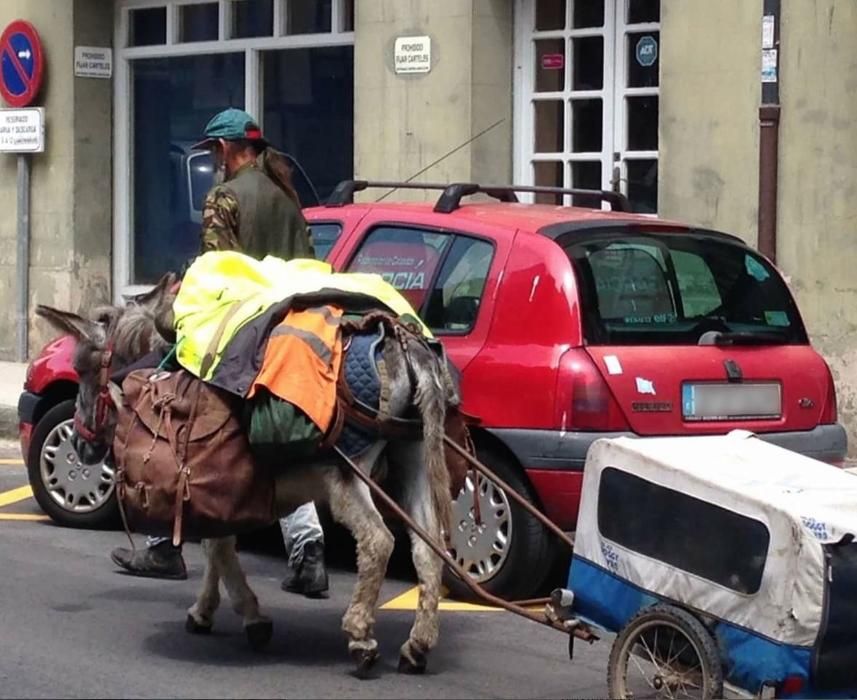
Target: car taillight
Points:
(593, 407)
(829, 412)
(792, 685)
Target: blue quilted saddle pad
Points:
(361, 375)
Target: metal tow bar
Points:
(581, 631)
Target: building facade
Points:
(657, 98)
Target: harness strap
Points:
(121, 484)
(337, 424)
(366, 417)
(183, 489)
(211, 350)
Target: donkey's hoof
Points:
(412, 661)
(193, 627)
(259, 634)
(364, 659)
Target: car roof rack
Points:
(343, 193)
(451, 194)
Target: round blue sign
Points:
(647, 51)
(20, 64)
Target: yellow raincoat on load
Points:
(229, 289)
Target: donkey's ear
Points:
(67, 322)
(105, 315)
(154, 295)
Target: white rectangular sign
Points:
(768, 32)
(769, 65)
(22, 130)
(93, 62)
(412, 54)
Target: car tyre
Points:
(46, 458)
(511, 554)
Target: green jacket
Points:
(250, 214)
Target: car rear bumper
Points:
(566, 451)
(554, 460)
(827, 443)
(550, 449)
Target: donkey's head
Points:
(109, 339)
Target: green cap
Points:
(232, 125)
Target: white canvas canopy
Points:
(802, 502)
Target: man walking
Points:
(254, 210)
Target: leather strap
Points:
(334, 430)
(183, 487)
(211, 350)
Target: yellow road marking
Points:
(12, 462)
(20, 494)
(408, 601)
(23, 516)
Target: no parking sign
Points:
(21, 64)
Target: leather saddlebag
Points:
(184, 467)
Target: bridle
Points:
(103, 402)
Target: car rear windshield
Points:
(682, 288)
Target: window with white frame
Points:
(289, 63)
(587, 105)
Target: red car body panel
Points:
(52, 364)
(521, 364)
(52, 367)
(758, 364)
(517, 364)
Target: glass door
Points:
(587, 113)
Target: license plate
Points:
(710, 401)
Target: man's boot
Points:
(310, 578)
(160, 561)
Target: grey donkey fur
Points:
(414, 471)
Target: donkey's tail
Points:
(433, 393)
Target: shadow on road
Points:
(302, 637)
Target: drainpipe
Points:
(769, 129)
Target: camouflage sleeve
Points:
(220, 221)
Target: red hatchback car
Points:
(567, 324)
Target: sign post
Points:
(21, 132)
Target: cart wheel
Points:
(664, 652)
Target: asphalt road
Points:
(72, 626)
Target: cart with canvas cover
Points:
(719, 562)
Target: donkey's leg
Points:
(257, 627)
(351, 504)
(200, 615)
(416, 500)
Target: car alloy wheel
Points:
(481, 534)
(73, 486)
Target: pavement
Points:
(12, 376)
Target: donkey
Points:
(414, 472)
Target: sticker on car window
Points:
(649, 319)
(755, 269)
(777, 318)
